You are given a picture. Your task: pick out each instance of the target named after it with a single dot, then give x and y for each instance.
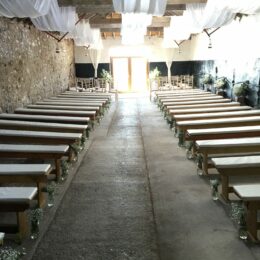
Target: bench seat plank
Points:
(215, 115)
(248, 192)
(230, 104)
(209, 110)
(190, 99)
(17, 194)
(80, 108)
(76, 100)
(224, 100)
(62, 103)
(222, 133)
(57, 112)
(39, 137)
(42, 126)
(45, 118)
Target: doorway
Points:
(130, 74)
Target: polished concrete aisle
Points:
(136, 196)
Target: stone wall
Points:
(30, 67)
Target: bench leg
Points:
(22, 224)
(58, 169)
(225, 189)
(41, 195)
(205, 163)
(251, 220)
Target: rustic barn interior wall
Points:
(30, 67)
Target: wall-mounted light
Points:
(210, 43)
(58, 50)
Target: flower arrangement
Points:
(154, 74)
(106, 76)
(239, 89)
(208, 79)
(221, 83)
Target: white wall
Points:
(234, 42)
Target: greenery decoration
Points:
(65, 169)
(106, 76)
(8, 253)
(208, 79)
(221, 83)
(239, 89)
(36, 215)
(154, 74)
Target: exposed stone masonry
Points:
(30, 68)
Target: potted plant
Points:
(221, 84)
(208, 81)
(154, 78)
(239, 90)
(107, 77)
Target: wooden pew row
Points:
(183, 126)
(43, 126)
(71, 100)
(225, 147)
(174, 112)
(37, 137)
(68, 108)
(201, 116)
(41, 152)
(17, 199)
(92, 94)
(209, 104)
(190, 98)
(43, 118)
(222, 133)
(250, 194)
(224, 100)
(168, 102)
(36, 174)
(90, 114)
(248, 166)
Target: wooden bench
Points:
(191, 98)
(248, 166)
(76, 101)
(201, 116)
(43, 152)
(224, 100)
(68, 107)
(17, 199)
(209, 105)
(57, 112)
(43, 126)
(84, 97)
(27, 173)
(44, 118)
(209, 148)
(250, 194)
(89, 94)
(37, 137)
(221, 133)
(62, 103)
(214, 123)
(209, 110)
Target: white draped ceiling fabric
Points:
(136, 16)
(95, 55)
(24, 8)
(213, 14)
(46, 15)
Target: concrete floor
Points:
(136, 196)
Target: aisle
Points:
(107, 213)
(137, 197)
